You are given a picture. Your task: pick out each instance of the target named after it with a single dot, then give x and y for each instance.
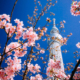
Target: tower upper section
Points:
(54, 34)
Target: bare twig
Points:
(13, 10)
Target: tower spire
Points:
(54, 25)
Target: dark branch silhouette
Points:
(13, 10)
(73, 72)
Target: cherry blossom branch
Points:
(19, 74)
(13, 9)
(49, 45)
(45, 8)
(45, 24)
(4, 51)
(7, 35)
(73, 72)
(44, 64)
(16, 47)
(9, 50)
(54, 75)
(26, 70)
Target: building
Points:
(55, 45)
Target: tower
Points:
(55, 45)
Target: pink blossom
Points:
(49, 72)
(17, 20)
(78, 45)
(19, 28)
(75, 2)
(2, 75)
(37, 67)
(78, 69)
(62, 25)
(13, 45)
(53, 64)
(76, 76)
(38, 45)
(45, 29)
(19, 34)
(25, 46)
(48, 19)
(7, 49)
(20, 23)
(32, 78)
(24, 35)
(37, 77)
(3, 23)
(68, 76)
(38, 28)
(7, 17)
(9, 53)
(42, 51)
(64, 21)
(20, 53)
(33, 68)
(8, 25)
(61, 74)
(63, 40)
(11, 30)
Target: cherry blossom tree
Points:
(25, 45)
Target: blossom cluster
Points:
(63, 40)
(31, 36)
(14, 65)
(62, 24)
(42, 31)
(2, 75)
(75, 8)
(76, 76)
(19, 30)
(5, 23)
(54, 69)
(37, 77)
(33, 68)
(48, 19)
(28, 34)
(16, 48)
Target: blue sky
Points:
(62, 12)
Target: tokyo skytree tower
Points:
(55, 46)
